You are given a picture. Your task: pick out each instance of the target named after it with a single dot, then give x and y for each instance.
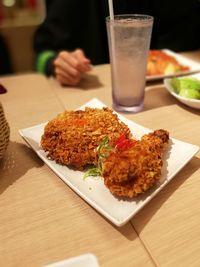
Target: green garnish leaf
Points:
(103, 151)
(104, 145)
(93, 171)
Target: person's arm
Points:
(69, 66)
(44, 62)
(56, 40)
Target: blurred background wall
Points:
(18, 22)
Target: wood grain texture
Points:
(169, 225)
(42, 220)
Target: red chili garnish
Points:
(121, 138)
(124, 143)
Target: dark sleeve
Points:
(71, 24)
(5, 61)
(176, 24)
(59, 29)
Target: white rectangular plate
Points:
(93, 190)
(193, 65)
(85, 260)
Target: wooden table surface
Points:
(42, 220)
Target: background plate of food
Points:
(185, 89)
(166, 63)
(118, 210)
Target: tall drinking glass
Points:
(129, 40)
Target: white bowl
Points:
(193, 103)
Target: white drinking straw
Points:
(112, 36)
(110, 3)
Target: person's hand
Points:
(69, 66)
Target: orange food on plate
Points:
(97, 141)
(72, 137)
(132, 170)
(161, 63)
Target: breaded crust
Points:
(133, 171)
(73, 136)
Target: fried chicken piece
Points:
(72, 137)
(134, 170)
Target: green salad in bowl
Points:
(186, 89)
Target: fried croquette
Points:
(72, 137)
(134, 170)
